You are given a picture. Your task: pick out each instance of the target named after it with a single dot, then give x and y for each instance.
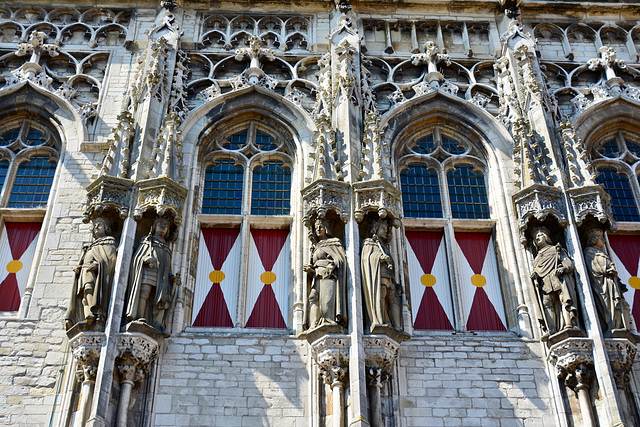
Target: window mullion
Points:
(245, 235)
(454, 278)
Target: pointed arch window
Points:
(244, 255)
(442, 178)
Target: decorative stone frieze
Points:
(622, 353)
(162, 195)
(108, 193)
(378, 196)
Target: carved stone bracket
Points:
(378, 195)
(162, 195)
(622, 353)
(325, 195)
(136, 352)
(573, 358)
(108, 193)
(331, 352)
(594, 201)
(537, 202)
(85, 347)
(380, 355)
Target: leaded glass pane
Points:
(265, 142)
(609, 149)
(622, 201)
(424, 145)
(420, 192)
(452, 146)
(4, 168)
(467, 193)
(35, 137)
(634, 147)
(237, 141)
(10, 136)
(223, 189)
(33, 183)
(271, 189)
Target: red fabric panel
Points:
(635, 311)
(266, 312)
(214, 311)
(431, 315)
(483, 316)
(627, 248)
(269, 244)
(425, 245)
(219, 242)
(20, 235)
(474, 246)
(9, 294)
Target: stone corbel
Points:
(108, 193)
(325, 195)
(536, 203)
(573, 359)
(380, 354)
(331, 352)
(379, 196)
(162, 195)
(622, 353)
(591, 201)
(86, 347)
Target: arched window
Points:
(28, 161)
(442, 178)
(243, 261)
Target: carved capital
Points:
(163, 195)
(332, 355)
(573, 359)
(323, 196)
(136, 352)
(622, 353)
(380, 355)
(108, 193)
(594, 201)
(379, 196)
(85, 348)
(537, 202)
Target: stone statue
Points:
(382, 294)
(608, 291)
(554, 281)
(326, 278)
(93, 276)
(151, 271)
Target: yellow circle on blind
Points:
(428, 280)
(634, 281)
(216, 276)
(478, 280)
(14, 266)
(268, 277)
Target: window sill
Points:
(236, 332)
(437, 224)
(23, 214)
(255, 221)
(627, 227)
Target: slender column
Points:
(331, 352)
(86, 350)
(374, 388)
(127, 374)
(337, 388)
(86, 393)
(583, 376)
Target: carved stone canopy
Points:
(163, 195)
(573, 358)
(535, 204)
(379, 196)
(325, 195)
(592, 201)
(108, 194)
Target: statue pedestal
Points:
(314, 334)
(563, 335)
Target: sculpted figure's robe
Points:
(375, 265)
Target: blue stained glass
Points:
(9, 136)
(634, 147)
(4, 168)
(223, 189)
(266, 199)
(453, 146)
(622, 202)
(420, 192)
(33, 183)
(237, 141)
(467, 193)
(609, 149)
(424, 145)
(35, 137)
(265, 142)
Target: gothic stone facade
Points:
(319, 213)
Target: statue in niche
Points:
(93, 276)
(151, 272)
(608, 291)
(382, 295)
(555, 284)
(326, 278)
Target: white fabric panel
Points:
(624, 276)
(442, 287)
(203, 284)
(492, 288)
(231, 270)
(5, 255)
(282, 270)
(467, 290)
(254, 284)
(27, 258)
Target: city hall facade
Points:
(319, 213)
